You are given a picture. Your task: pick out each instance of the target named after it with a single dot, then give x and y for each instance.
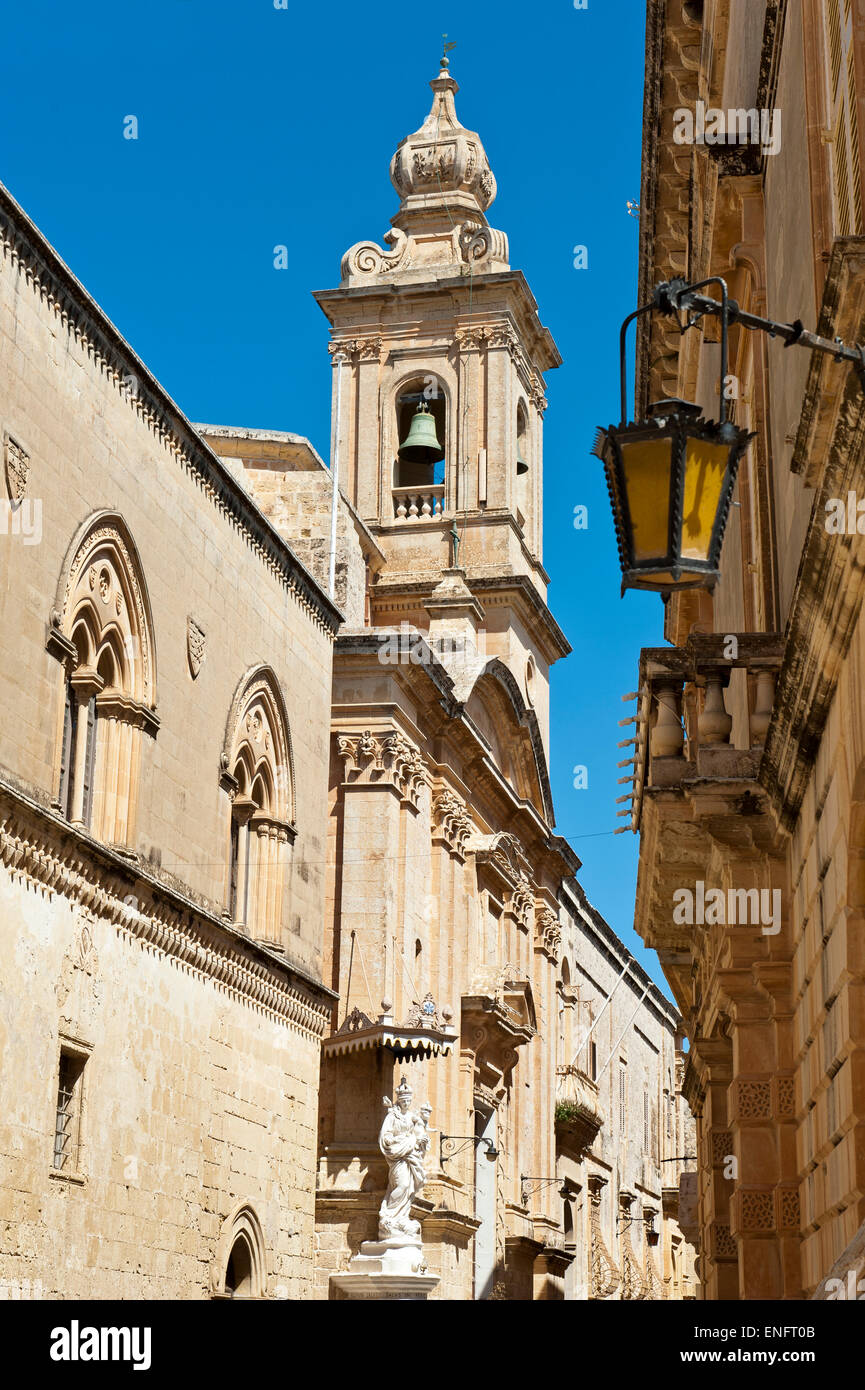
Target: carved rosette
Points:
(17, 470)
(389, 761)
(604, 1271)
(452, 824)
(548, 932)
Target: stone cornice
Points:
(555, 643)
(56, 858)
(669, 242)
(52, 281)
(539, 344)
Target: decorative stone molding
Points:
(633, 1284)
(443, 165)
(605, 1276)
(17, 470)
(548, 932)
(196, 642)
(365, 258)
(468, 339)
(452, 824)
(756, 1210)
(520, 904)
(787, 1209)
(480, 243)
(785, 1097)
(364, 349)
(751, 1100)
(257, 730)
(656, 1288)
(538, 394)
(102, 574)
(384, 761)
(503, 853)
(241, 1224)
(722, 1146)
(722, 1244)
(43, 851)
(427, 1014)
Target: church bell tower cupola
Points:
(439, 359)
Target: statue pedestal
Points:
(387, 1269)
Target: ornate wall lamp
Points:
(448, 1146)
(536, 1185)
(671, 476)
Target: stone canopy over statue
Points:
(404, 1140)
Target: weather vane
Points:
(447, 49)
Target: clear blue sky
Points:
(258, 127)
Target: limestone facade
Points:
(165, 696)
(761, 792)
(262, 851)
(625, 1136)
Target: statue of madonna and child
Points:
(404, 1140)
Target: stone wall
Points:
(624, 1165)
(199, 1047)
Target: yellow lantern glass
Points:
(670, 480)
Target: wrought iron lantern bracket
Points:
(537, 1184)
(448, 1146)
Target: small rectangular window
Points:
(67, 1125)
(593, 1060)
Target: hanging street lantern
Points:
(670, 479)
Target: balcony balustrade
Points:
(684, 727)
(419, 503)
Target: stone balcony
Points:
(702, 812)
(683, 724)
(579, 1117)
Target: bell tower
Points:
(438, 390)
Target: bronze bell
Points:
(421, 444)
(522, 466)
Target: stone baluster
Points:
(668, 737)
(714, 724)
(763, 705)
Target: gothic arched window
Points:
(102, 632)
(240, 1265)
(257, 773)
